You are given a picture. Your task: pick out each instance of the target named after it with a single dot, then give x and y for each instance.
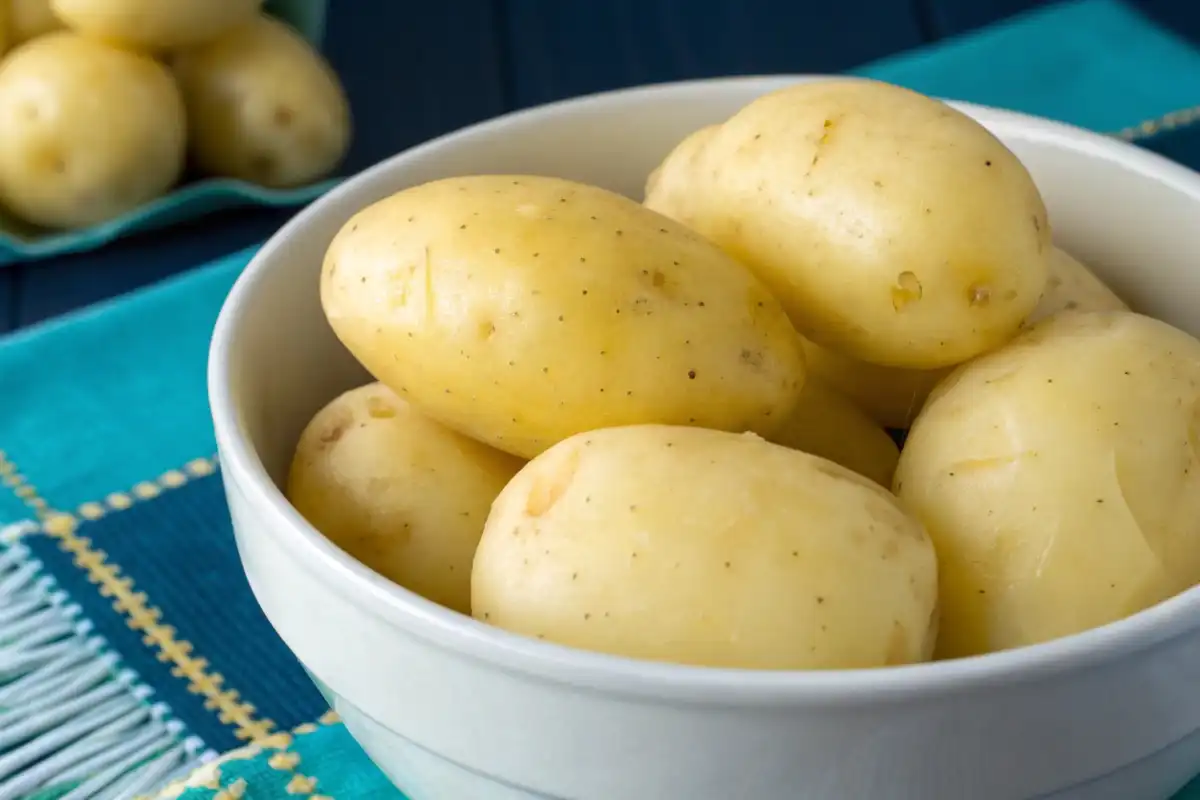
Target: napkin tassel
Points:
(74, 724)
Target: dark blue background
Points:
(417, 69)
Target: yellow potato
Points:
(28, 19)
(154, 25)
(671, 182)
(893, 396)
(397, 491)
(709, 548)
(893, 228)
(1059, 479)
(827, 424)
(520, 310)
(1073, 287)
(90, 131)
(263, 106)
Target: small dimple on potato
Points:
(594, 310)
(893, 396)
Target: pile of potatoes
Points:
(103, 104)
(657, 430)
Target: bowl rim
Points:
(545, 661)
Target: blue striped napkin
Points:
(131, 650)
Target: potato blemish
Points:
(907, 290)
(979, 295)
(379, 408)
(550, 487)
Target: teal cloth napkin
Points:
(1098, 64)
(94, 403)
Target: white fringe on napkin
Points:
(74, 724)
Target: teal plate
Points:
(20, 241)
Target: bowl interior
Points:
(1127, 212)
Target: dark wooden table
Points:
(417, 69)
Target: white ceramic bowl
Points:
(452, 709)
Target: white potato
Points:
(710, 548)
(263, 106)
(154, 25)
(893, 396)
(1059, 478)
(28, 19)
(825, 423)
(1073, 287)
(90, 131)
(893, 228)
(399, 492)
(672, 180)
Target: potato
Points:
(154, 25)
(1072, 287)
(893, 395)
(28, 19)
(520, 310)
(90, 131)
(263, 106)
(1058, 477)
(893, 228)
(399, 492)
(708, 548)
(825, 423)
(671, 182)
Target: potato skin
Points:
(28, 19)
(826, 424)
(59, 168)
(154, 25)
(671, 182)
(399, 492)
(894, 396)
(1058, 477)
(521, 310)
(708, 548)
(1072, 287)
(893, 228)
(263, 106)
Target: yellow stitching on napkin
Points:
(117, 501)
(25, 491)
(148, 490)
(209, 775)
(141, 615)
(1167, 122)
(287, 761)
